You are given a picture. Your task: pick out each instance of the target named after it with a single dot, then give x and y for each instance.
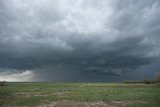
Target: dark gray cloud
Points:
(79, 40)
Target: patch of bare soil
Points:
(25, 94)
(28, 94)
(66, 103)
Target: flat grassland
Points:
(79, 95)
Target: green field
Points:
(79, 95)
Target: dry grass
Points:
(67, 103)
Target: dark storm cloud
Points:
(78, 40)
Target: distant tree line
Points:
(3, 83)
(146, 81)
(142, 82)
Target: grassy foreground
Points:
(79, 95)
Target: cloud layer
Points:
(78, 39)
(16, 76)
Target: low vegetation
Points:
(80, 95)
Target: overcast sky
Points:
(79, 40)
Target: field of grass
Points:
(79, 95)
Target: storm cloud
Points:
(79, 40)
